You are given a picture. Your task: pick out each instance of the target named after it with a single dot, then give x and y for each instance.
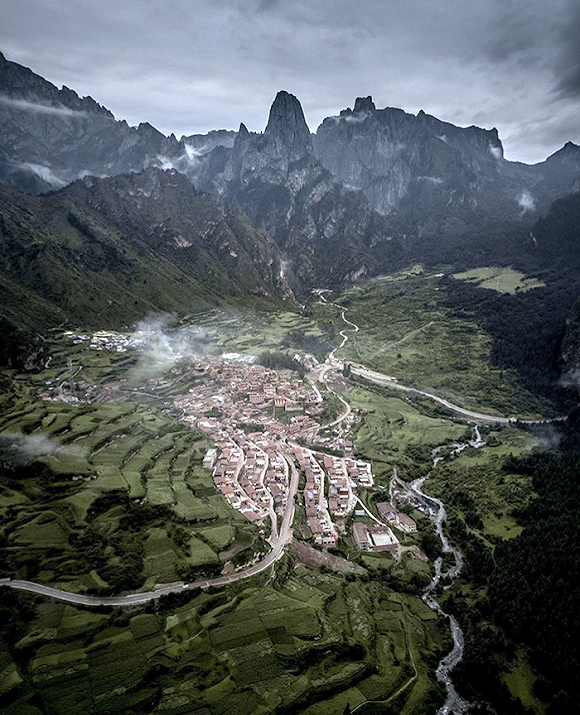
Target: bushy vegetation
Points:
(527, 329)
(534, 587)
(280, 361)
(514, 514)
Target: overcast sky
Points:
(192, 65)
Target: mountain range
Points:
(272, 214)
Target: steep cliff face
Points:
(335, 202)
(390, 154)
(330, 231)
(434, 178)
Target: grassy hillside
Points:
(109, 251)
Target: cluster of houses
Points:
(238, 405)
(226, 477)
(392, 515)
(344, 475)
(250, 468)
(340, 494)
(105, 340)
(317, 516)
(252, 476)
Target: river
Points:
(454, 703)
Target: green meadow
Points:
(408, 332)
(500, 279)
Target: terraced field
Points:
(306, 643)
(100, 464)
(395, 433)
(252, 333)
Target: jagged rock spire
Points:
(286, 121)
(364, 104)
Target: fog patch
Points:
(571, 379)
(547, 435)
(284, 266)
(160, 345)
(186, 163)
(44, 172)
(496, 152)
(357, 118)
(193, 153)
(526, 202)
(431, 179)
(18, 449)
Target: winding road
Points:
(133, 599)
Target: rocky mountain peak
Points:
(287, 122)
(571, 149)
(568, 154)
(364, 104)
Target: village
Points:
(264, 422)
(261, 421)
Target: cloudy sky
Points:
(192, 65)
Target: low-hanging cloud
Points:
(44, 172)
(24, 105)
(161, 345)
(431, 179)
(526, 202)
(19, 449)
(571, 379)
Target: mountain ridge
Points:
(112, 250)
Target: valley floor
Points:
(178, 460)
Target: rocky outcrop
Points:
(328, 232)
(435, 179)
(334, 201)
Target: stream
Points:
(454, 703)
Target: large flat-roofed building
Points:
(361, 536)
(406, 523)
(383, 538)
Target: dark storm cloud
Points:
(193, 65)
(569, 85)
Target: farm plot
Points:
(97, 467)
